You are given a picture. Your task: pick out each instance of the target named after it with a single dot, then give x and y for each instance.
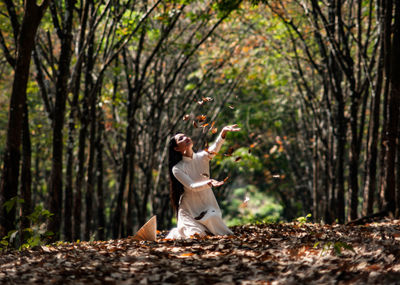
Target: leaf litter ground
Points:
(290, 253)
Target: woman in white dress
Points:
(190, 188)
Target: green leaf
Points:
(8, 205)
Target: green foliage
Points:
(260, 208)
(335, 247)
(25, 238)
(303, 220)
(13, 202)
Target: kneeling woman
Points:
(190, 188)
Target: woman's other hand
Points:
(215, 183)
(231, 128)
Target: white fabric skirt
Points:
(188, 226)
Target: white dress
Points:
(198, 212)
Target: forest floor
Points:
(289, 253)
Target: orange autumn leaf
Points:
(201, 118)
(209, 151)
(186, 254)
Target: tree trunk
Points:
(387, 7)
(90, 177)
(316, 195)
(25, 43)
(340, 150)
(392, 124)
(371, 161)
(354, 158)
(77, 198)
(56, 185)
(99, 173)
(26, 176)
(79, 182)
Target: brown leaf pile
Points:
(257, 254)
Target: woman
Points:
(190, 188)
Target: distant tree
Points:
(24, 39)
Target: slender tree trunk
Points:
(79, 182)
(354, 158)
(99, 173)
(77, 198)
(69, 180)
(398, 179)
(90, 177)
(340, 151)
(26, 176)
(371, 161)
(25, 42)
(392, 127)
(56, 185)
(387, 7)
(316, 196)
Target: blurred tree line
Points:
(95, 88)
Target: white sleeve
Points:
(215, 147)
(187, 182)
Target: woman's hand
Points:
(215, 183)
(231, 128)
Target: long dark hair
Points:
(175, 187)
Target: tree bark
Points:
(99, 173)
(387, 34)
(392, 124)
(25, 43)
(56, 185)
(371, 161)
(26, 175)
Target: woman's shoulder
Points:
(203, 154)
(179, 166)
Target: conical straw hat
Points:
(148, 231)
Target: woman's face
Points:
(183, 143)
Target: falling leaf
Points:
(226, 178)
(186, 117)
(214, 130)
(209, 151)
(195, 124)
(201, 118)
(238, 158)
(230, 151)
(231, 107)
(207, 99)
(273, 149)
(205, 125)
(212, 124)
(245, 202)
